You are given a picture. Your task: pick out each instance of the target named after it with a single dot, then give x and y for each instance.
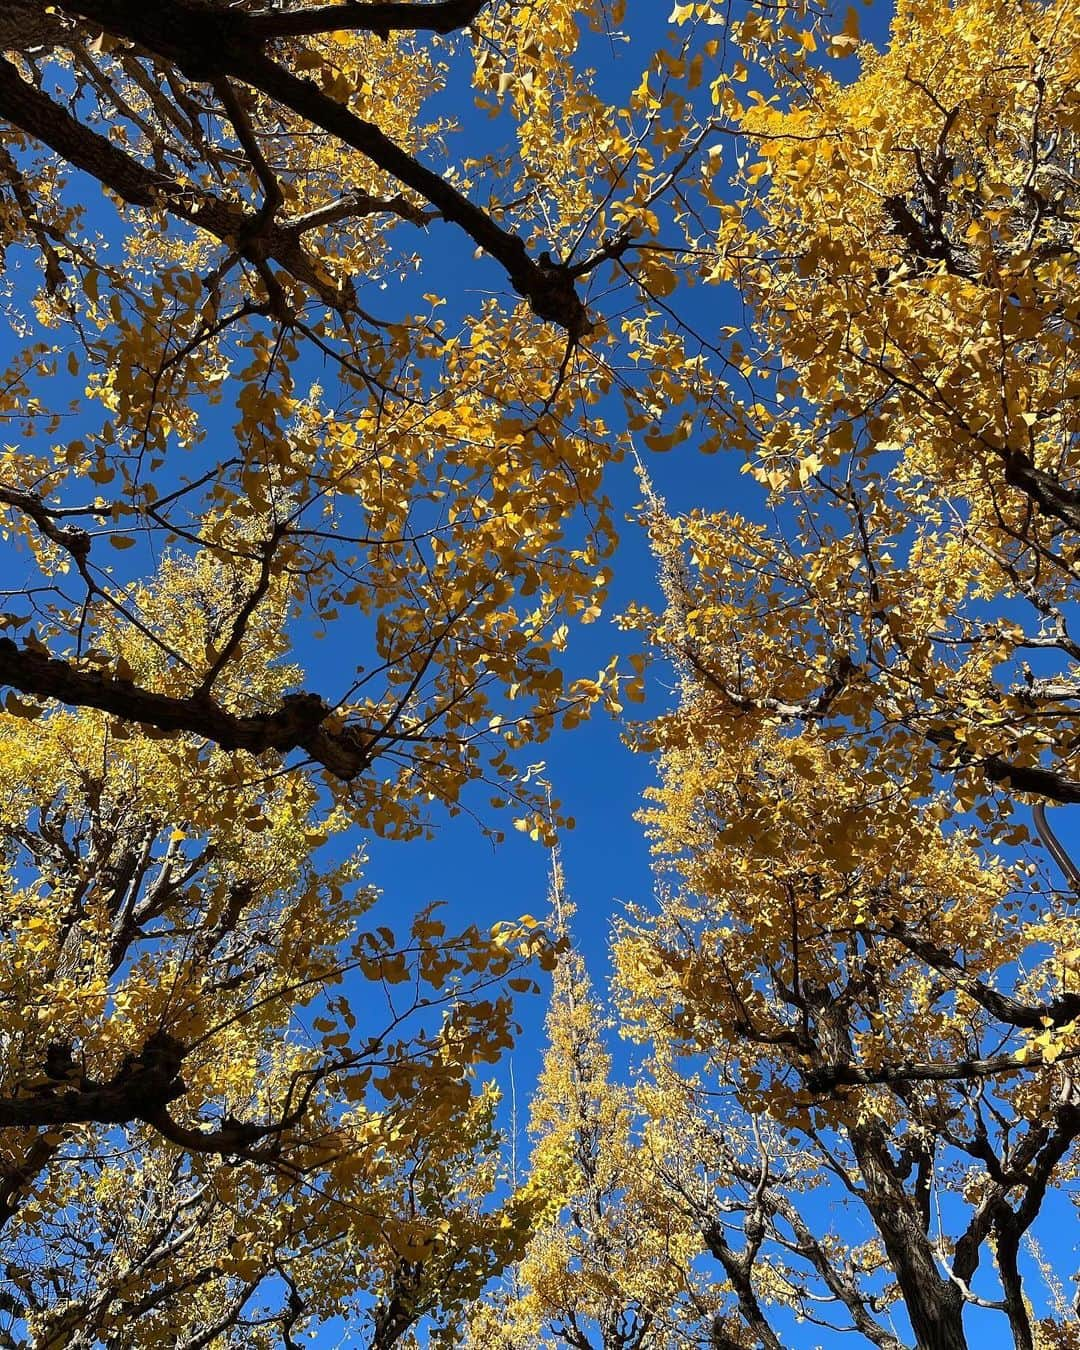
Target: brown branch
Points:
(1043, 488)
(232, 1138)
(243, 615)
(26, 25)
(1031, 1167)
(245, 134)
(360, 203)
(548, 287)
(1048, 783)
(399, 1310)
(1056, 1012)
(825, 1078)
(16, 1180)
(812, 709)
(837, 1276)
(738, 1268)
(446, 16)
(54, 272)
(144, 1082)
(295, 725)
(35, 113)
(140, 1090)
(70, 538)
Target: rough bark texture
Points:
(295, 725)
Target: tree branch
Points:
(210, 43)
(295, 725)
(826, 1077)
(446, 16)
(35, 113)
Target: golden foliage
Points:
(246, 411)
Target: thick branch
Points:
(548, 287)
(26, 26)
(35, 113)
(1048, 783)
(738, 1268)
(446, 16)
(68, 537)
(813, 708)
(399, 1311)
(295, 725)
(1055, 1012)
(140, 1090)
(828, 1077)
(232, 1137)
(1043, 488)
(143, 1083)
(835, 1273)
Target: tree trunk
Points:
(934, 1304)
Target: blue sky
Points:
(599, 780)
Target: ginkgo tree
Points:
(610, 1263)
(301, 349)
(231, 1108)
(865, 948)
(260, 187)
(230, 229)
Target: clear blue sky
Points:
(597, 778)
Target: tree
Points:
(245, 409)
(417, 499)
(206, 203)
(240, 373)
(229, 1110)
(609, 1265)
(863, 949)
